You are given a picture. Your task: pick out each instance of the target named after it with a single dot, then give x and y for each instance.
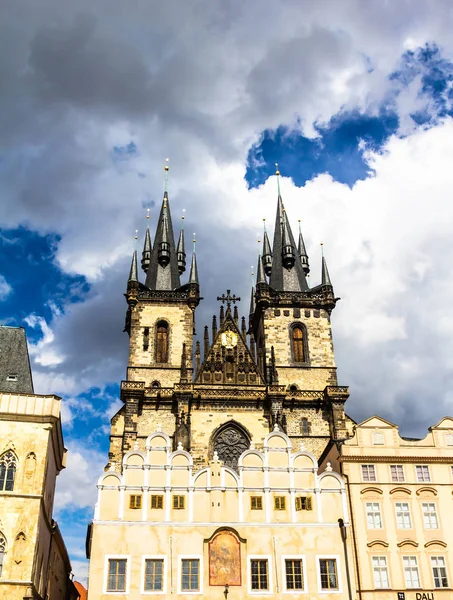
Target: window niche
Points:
(299, 343)
(8, 467)
(162, 339)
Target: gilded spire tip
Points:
(166, 175)
(147, 213)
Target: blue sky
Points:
(359, 120)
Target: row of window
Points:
(397, 473)
(411, 572)
(189, 578)
(403, 515)
(256, 502)
(378, 439)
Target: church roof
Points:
(15, 372)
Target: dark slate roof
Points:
(283, 279)
(161, 277)
(15, 372)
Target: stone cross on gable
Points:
(228, 299)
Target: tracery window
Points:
(2, 552)
(8, 466)
(162, 342)
(299, 343)
(229, 444)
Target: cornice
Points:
(419, 460)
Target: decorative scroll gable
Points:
(229, 360)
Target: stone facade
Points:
(35, 564)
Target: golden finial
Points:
(194, 241)
(322, 248)
(166, 175)
(277, 172)
(166, 165)
(136, 235)
(147, 214)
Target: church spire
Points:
(147, 246)
(181, 250)
(267, 252)
(287, 272)
(303, 253)
(325, 277)
(133, 273)
(193, 279)
(163, 272)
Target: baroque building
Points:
(212, 485)
(400, 492)
(34, 563)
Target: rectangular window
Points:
(380, 572)
(178, 502)
(439, 571)
(378, 439)
(430, 515)
(303, 503)
(135, 501)
(256, 502)
(403, 515)
(373, 515)
(11, 377)
(259, 574)
(449, 439)
(146, 338)
(280, 503)
(154, 575)
(422, 473)
(328, 573)
(190, 575)
(368, 473)
(157, 501)
(411, 572)
(116, 581)
(294, 574)
(397, 473)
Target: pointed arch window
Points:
(8, 466)
(299, 343)
(162, 342)
(2, 552)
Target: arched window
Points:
(2, 552)
(305, 426)
(299, 343)
(162, 342)
(8, 465)
(229, 443)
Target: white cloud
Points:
(5, 288)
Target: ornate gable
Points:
(229, 360)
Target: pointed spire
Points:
(236, 315)
(325, 277)
(260, 276)
(243, 327)
(163, 272)
(181, 250)
(193, 278)
(133, 273)
(197, 356)
(147, 246)
(252, 303)
(206, 342)
(303, 253)
(267, 252)
(214, 328)
(287, 273)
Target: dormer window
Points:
(11, 377)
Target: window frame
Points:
(378, 435)
(146, 557)
(258, 500)
(159, 323)
(135, 501)
(367, 466)
(423, 480)
(300, 501)
(173, 501)
(408, 511)
(430, 514)
(306, 356)
(160, 500)
(436, 557)
(397, 480)
(373, 512)
(107, 559)
(300, 557)
(380, 570)
(419, 586)
(270, 582)
(14, 462)
(336, 557)
(279, 503)
(198, 557)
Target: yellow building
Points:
(400, 493)
(34, 563)
(212, 477)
